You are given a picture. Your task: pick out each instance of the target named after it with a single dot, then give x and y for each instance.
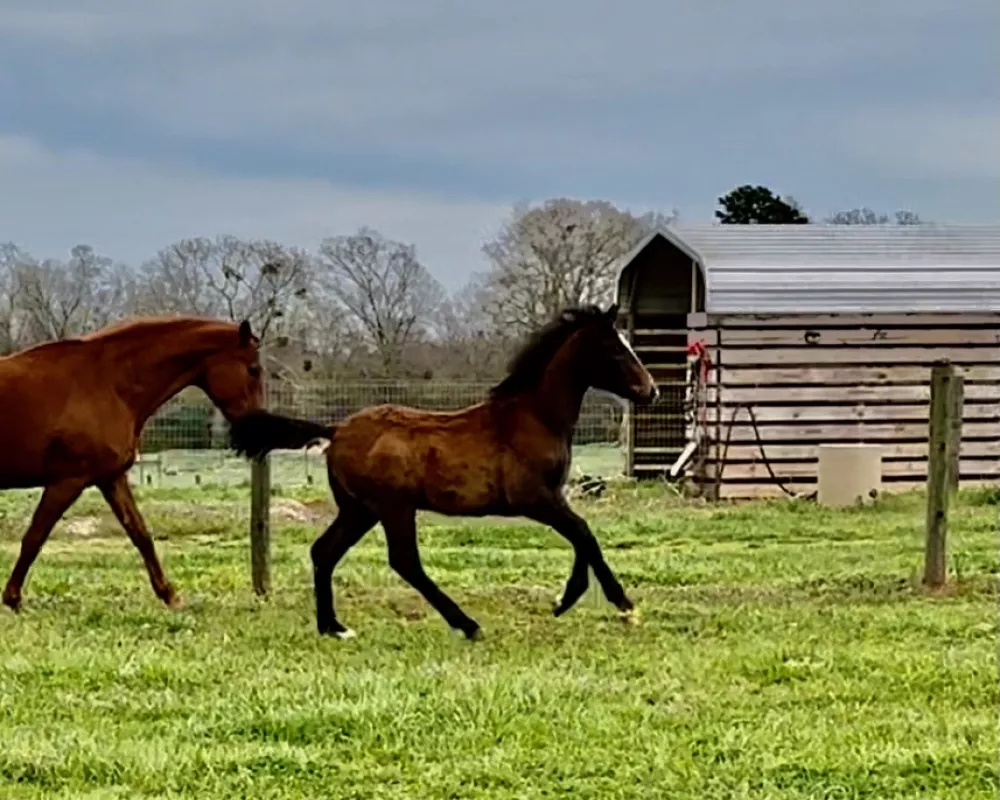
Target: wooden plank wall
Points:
(815, 379)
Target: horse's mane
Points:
(153, 324)
(529, 364)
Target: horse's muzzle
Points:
(647, 395)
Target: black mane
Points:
(527, 367)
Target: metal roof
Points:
(843, 268)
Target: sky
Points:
(127, 125)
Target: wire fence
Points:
(186, 442)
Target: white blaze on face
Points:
(628, 346)
(631, 352)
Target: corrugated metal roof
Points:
(845, 268)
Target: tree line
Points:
(363, 305)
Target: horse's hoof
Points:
(559, 607)
(631, 616)
(336, 630)
(176, 603)
(474, 634)
(13, 602)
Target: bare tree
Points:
(325, 334)
(175, 280)
(471, 347)
(388, 293)
(259, 280)
(564, 252)
(62, 299)
(866, 216)
(11, 323)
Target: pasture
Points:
(785, 651)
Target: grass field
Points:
(785, 652)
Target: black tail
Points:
(257, 433)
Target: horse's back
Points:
(483, 459)
(449, 461)
(42, 376)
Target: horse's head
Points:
(232, 376)
(608, 362)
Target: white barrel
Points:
(849, 474)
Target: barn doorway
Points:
(659, 287)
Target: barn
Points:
(768, 340)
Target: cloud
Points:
(139, 123)
(401, 76)
(936, 143)
(127, 209)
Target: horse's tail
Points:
(257, 433)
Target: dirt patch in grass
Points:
(83, 527)
(289, 510)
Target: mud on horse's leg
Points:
(56, 500)
(118, 495)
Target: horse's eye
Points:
(254, 371)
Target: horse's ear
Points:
(246, 334)
(612, 312)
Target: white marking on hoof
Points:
(559, 599)
(347, 633)
(631, 617)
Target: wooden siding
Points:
(813, 379)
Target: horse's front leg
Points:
(118, 495)
(586, 551)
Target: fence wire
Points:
(186, 442)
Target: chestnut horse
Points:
(507, 456)
(75, 409)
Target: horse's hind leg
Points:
(56, 500)
(352, 523)
(118, 495)
(401, 538)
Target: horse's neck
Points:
(148, 373)
(558, 397)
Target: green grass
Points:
(785, 652)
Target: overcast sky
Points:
(129, 124)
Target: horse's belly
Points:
(462, 498)
(22, 457)
(50, 458)
(21, 476)
(455, 484)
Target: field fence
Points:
(186, 442)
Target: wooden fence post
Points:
(939, 461)
(958, 404)
(260, 524)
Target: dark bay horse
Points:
(507, 456)
(73, 411)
